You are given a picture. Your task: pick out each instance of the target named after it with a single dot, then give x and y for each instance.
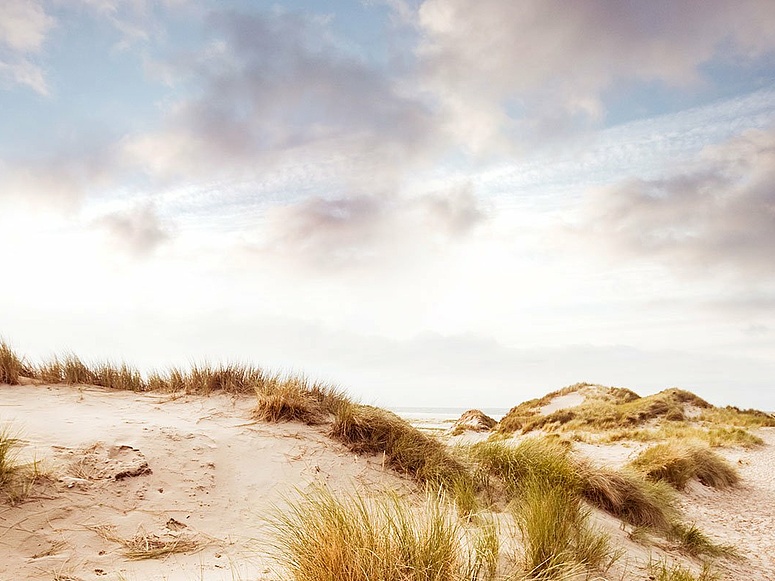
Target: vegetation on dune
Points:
(11, 365)
(296, 399)
(627, 496)
(144, 545)
(556, 536)
(524, 416)
(548, 491)
(734, 416)
(322, 537)
(677, 464)
(16, 479)
(691, 540)
(613, 414)
(370, 430)
(664, 571)
(715, 437)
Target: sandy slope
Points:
(215, 475)
(213, 470)
(743, 517)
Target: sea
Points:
(441, 414)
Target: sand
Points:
(198, 468)
(214, 476)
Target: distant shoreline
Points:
(427, 413)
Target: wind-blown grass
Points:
(663, 571)
(16, 479)
(556, 536)
(322, 537)
(11, 365)
(677, 464)
(625, 495)
(628, 496)
(715, 436)
(692, 541)
(370, 430)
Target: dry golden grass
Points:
(532, 458)
(612, 414)
(625, 495)
(525, 416)
(322, 537)
(628, 497)
(370, 430)
(148, 546)
(664, 571)
(556, 536)
(16, 478)
(296, 399)
(11, 365)
(692, 541)
(715, 437)
(733, 416)
(677, 464)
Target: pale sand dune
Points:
(213, 469)
(562, 402)
(744, 516)
(219, 473)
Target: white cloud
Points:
(537, 68)
(369, 231)
(24, 26)
(716, 216)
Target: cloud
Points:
(275, 87)
(716, 216)
(62, 179)
(24, 25)
(137, 231)
(537, 68)
(368, 230)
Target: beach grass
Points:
(628, 496)
(664, 571)
(367, 429)
(678, 463)
(11, 365)
(624, 494)
(557, 539)
(692, 541)
(16, 478)
(324, 537)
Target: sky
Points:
(426, 202)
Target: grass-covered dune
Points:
(609, 414)
(519, 505)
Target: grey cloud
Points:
(535, 67)
(279, 84)
(61, 179)
(366, 230)
(137, 231)
(718, 216)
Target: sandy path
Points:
(743, 517)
